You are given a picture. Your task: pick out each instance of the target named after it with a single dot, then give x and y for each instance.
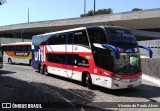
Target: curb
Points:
(151, 79)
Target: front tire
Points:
(89, 81)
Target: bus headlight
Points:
(116, 78)
(107, 74)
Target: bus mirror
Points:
(148, 49)
(115, 50)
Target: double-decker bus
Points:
(1, 57)
(19, 52)
(106, 56)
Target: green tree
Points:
(2, 2)
(136, 9)
(104, 11)
(90, 13)
(98, 12)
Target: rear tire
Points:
(89, 81)
(39, 68)
(45, 70)
(9, 61)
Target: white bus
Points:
(106, 56)
(19, 52)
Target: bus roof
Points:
(81, 28)
(17, 43)
(109, 26)
(63, 31)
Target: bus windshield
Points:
(129, 63)
(121, 37)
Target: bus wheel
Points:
(41, 70)
(45, 70)
(89, 81)
(9, 61)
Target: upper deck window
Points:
(57, 39)
(80, 37)
(121, 37)
(97, 35)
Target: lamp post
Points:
(28, 13)
(94, 7)
(22, 35)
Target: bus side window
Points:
(56, 58)
(70, 38)
(57, 39)
(52, 58)
(15, 48)
(80, 37)
(23, 48)
(62, 39)
(97, 35)
(80, 61)
(51, 40)
(28, 48)
(104, 61)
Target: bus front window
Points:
(129, 63)
(121, 37)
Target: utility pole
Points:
(28, 13)
(84, 7)
(94, 7)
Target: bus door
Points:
(69, 56)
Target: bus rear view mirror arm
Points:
(115, 50)
(148, 49)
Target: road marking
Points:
(69, 102)
(151, 79)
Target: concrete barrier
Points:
(4, 40)
(151, 66)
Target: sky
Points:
(16, 11)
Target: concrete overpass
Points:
(145, 22)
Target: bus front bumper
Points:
(127, 83)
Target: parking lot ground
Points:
(21, 83)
